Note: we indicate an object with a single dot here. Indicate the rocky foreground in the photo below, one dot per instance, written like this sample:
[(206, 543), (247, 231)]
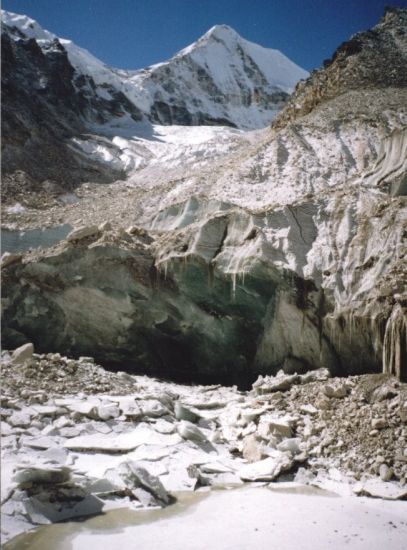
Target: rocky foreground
[(77, 439)]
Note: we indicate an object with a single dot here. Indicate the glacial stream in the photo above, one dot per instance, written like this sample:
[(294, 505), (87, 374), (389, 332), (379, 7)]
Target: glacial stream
[(239, 519)]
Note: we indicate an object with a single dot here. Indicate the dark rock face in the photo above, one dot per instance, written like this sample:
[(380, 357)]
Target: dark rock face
[(29, 123), (167, 114), (44, 105)]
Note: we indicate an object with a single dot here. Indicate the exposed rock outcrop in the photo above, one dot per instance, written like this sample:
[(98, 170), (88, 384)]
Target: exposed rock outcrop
[(376, 58)]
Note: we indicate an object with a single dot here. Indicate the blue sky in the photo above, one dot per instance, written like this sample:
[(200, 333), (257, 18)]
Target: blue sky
[(132, 34)]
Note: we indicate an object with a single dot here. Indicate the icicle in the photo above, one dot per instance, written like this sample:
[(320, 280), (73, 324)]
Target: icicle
[(234, 277), (331, 328), (375, 324), (395, 344), (302, 327), (351, 325)]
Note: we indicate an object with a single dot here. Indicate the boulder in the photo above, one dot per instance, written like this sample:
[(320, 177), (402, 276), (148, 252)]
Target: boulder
[(69, 431), (153, 408), (47, 410), (163, 426), (291, 445), (280, 382), (308, 409), (82, 233), (385, 472), (268, 469), (337, 392), (121, 443), (35, 474), (61, 504), (44, 442), (84, 408), (19, 420), (280, 428), (379, 423), (132, 411), (135, 475), (107, 412), (252, 449), (184, 413), (377, 488), (249, 414), (9, 258), (187, 430), (318, 375), (23, 354)]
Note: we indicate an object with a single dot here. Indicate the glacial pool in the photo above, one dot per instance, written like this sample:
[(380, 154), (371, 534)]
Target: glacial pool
[(238, 519), (21, 241)]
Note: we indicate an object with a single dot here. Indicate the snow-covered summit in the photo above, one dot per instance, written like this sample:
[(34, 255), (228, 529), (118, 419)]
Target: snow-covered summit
[(216, 33), (220, 79), (23, 26), (275, 66), (221, 32)]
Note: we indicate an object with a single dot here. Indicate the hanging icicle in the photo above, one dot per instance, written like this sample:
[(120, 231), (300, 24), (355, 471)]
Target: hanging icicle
[(395, 344)]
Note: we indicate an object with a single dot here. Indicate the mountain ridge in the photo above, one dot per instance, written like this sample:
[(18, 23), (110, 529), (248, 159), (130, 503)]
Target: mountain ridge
[(132, 83)]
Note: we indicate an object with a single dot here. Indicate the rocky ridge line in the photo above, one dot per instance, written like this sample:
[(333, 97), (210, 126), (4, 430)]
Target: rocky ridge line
[(375, 58)]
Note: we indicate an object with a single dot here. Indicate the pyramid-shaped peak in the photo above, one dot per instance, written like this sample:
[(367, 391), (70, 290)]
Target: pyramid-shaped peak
[(218, 33), (221, 29), (221, 32)]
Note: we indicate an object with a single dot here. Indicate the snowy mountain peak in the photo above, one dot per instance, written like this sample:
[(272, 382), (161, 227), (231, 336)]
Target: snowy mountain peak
[(223, 79), (218, 34), (221, 32), (24, 26), (221, 45), (215, 35)]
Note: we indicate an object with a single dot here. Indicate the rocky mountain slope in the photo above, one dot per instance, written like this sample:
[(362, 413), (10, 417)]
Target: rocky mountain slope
[(45, 103), (285, 249), (373, 59), (58, 100)]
